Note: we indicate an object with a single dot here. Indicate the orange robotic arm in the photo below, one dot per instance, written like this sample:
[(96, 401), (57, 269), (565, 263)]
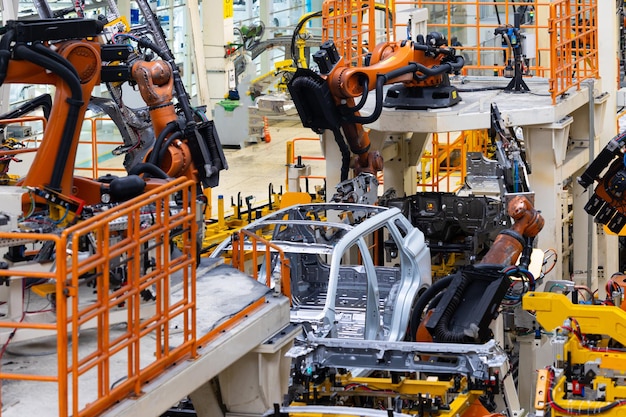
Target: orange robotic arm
[(469, 299), (326, 100), (170, 153), (73, 75)]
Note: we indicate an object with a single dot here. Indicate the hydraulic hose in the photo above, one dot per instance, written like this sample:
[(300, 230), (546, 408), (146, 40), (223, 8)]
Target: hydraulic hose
[(296, 33), (183, 98), (21, 51), (40, 48), (442, 332), (424, 300), (414, 67), (148, 168), (381, 79), (5, 53), (44, 101), (156, 149), (345, 154), (361, 103), (190, 130), (167, 143)]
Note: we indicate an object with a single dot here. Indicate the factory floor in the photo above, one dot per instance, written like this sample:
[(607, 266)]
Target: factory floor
[(254, 167), (251, 168)]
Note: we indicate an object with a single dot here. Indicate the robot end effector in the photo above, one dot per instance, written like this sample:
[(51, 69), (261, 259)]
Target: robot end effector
[(608, 204)]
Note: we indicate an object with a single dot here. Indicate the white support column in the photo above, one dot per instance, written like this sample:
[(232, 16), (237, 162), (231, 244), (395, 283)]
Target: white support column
[(260, 379), (585, 244), (265, 8), (331, 153), (218, 32), (401, 153), (547, 183), (608, 49), (206, 402), (199, 59)]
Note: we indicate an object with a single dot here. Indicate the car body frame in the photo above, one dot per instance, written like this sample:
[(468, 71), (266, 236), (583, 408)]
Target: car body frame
[(355, 270)]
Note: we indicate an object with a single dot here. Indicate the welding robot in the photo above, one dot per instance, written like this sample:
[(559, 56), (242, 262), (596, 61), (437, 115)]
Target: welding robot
[(76, 55), (418, 74), (417, 71), (606, 203)]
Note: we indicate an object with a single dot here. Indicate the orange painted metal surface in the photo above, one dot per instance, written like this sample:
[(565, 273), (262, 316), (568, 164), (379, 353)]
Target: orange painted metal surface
[(574, 39), (150, 228), (443, 167), (84, 56), (248, 260), (567, 56), (356, 26), (473, 23), (94, 168)]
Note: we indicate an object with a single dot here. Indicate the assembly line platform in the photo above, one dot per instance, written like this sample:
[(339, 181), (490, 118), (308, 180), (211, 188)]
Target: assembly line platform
[(518, 108), (241, 312)]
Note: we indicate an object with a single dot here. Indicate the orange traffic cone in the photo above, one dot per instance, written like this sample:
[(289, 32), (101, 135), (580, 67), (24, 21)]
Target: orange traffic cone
[(266, 130)]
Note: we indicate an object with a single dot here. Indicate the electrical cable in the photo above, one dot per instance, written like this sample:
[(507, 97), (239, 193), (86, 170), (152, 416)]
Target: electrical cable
[(473, 90), (74, 102), (148, 168), (156, 149), (174, 136), (5, 53), (577, 411), (381, 79), (296, 33), (548, 254), (345, 154), (424, 300), (361, 102), (42, 49)]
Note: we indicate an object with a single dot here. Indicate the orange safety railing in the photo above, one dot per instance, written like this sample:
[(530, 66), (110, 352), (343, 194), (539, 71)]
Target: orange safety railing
[(574, 39), (567, 56), (443, 167), (12, 147), (241, 256), (93, 168), (470, 27), (125, 254), (29, 140), (356, 26), (293, 157)]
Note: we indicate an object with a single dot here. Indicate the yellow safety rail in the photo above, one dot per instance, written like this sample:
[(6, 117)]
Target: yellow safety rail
[(124, 236), (574, 39), (242, 257)]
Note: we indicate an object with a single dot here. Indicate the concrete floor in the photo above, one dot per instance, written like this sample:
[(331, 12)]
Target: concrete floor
[(254, 167)]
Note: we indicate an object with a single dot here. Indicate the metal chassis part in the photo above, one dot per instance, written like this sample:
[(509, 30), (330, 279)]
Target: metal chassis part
[(471, 359)]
